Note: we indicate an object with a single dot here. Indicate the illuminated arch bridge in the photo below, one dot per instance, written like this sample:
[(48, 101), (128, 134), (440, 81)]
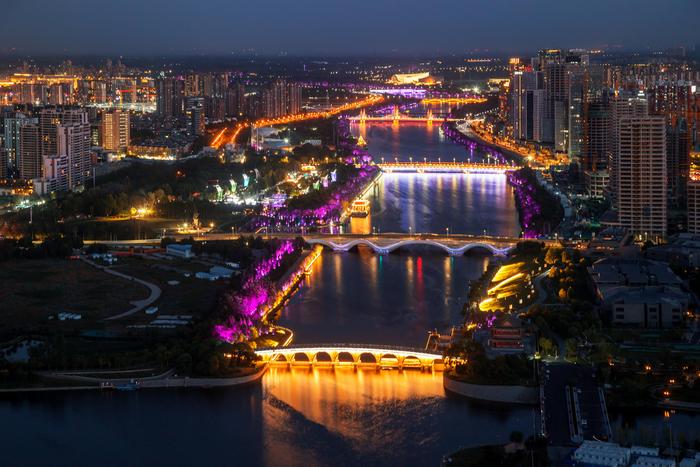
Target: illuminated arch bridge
[(387, 245), (352, 355)]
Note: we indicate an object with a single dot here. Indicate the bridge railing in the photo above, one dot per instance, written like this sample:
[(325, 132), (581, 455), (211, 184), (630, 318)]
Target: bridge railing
[(351, 346)]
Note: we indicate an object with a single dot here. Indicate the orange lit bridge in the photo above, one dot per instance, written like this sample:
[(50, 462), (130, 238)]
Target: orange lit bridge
[(445, 167), (353, 356)]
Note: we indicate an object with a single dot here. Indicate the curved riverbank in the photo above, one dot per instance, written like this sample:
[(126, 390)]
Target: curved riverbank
[(522, 395), (161, 381)]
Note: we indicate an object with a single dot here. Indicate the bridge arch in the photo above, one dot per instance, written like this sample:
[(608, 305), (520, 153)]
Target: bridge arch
[(323, 357), (300, 357), (367, 357), (345, 357), (411, 361)]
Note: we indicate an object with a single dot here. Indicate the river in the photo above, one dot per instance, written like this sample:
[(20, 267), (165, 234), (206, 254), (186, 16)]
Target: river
[(317, 417)]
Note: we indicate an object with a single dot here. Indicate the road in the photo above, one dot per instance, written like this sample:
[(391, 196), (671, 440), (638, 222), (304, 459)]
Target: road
[(573, 404), (138, 305)]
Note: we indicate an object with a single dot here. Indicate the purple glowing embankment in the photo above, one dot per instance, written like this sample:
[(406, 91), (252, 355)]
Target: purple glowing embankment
[(531, 198), (246, 307), (340, 197)]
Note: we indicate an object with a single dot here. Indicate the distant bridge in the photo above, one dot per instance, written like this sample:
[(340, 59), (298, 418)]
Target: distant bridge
[(395, 116), (352, 355), (445, 167)]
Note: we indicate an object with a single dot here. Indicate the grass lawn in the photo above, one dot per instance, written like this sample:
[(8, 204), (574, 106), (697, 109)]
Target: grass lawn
[(191, 296), (34, 289)]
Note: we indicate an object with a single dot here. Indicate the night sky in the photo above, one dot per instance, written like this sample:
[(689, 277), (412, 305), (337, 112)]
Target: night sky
[(337, 27)]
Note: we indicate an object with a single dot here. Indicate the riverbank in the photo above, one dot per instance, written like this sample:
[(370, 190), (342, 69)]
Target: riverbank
[(466, 130), (501, 394), (165, 380), (290, 283)]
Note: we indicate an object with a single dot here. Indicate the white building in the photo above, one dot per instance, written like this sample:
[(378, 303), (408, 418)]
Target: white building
[(179, 250)]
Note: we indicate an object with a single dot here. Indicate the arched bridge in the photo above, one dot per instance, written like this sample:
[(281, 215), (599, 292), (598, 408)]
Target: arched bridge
[(384, 246), (353, 355)]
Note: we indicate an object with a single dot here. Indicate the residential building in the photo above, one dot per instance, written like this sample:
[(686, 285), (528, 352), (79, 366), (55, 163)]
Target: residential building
[(30, 157), (169, 97), (642, 176), (115, 130), (11, 140), (678, 152), (693, 197), (60, 133), (621, 107)]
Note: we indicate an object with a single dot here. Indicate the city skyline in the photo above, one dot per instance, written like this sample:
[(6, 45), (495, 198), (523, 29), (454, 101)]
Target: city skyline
[(349, 233), (364, 28)]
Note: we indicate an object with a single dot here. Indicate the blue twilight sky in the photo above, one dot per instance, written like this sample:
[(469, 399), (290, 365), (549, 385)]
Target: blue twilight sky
[(340, 27)]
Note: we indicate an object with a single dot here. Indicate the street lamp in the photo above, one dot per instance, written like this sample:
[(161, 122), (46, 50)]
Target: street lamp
[(447, 230)]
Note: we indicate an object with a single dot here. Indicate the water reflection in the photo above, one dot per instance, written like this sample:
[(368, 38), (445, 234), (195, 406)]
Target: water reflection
[(362, 297), (375, 417), (469, 204)]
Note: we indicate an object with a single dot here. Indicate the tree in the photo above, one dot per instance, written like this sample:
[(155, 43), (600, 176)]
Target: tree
[(546, 346), (553, 255), (562, 294), (183, 364)]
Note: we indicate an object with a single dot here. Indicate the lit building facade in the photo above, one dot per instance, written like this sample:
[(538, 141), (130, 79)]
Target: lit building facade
[(642, 176)]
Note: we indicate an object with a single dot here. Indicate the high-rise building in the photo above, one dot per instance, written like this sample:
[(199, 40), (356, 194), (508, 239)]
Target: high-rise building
[(115, 130), (577, 99), (73, 142), (595, 149), (596, 136), (678, 151), (195, 111), (642, 176), (294, 93), (4, 165), (235, 100), (693, 196), (11, 140), (169, 97), (30, 161), (192, 86), (624, 106), (527, 105), (281, 98), (60, 133)]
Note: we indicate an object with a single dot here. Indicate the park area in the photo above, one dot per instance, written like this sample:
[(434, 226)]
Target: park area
[(33, 290)]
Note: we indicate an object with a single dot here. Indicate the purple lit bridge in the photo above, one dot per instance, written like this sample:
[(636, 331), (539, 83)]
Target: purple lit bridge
[(445, 167), (352, 356)]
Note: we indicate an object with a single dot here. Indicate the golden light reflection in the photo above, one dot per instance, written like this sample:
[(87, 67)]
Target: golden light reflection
[(318, 394)]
